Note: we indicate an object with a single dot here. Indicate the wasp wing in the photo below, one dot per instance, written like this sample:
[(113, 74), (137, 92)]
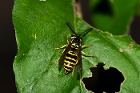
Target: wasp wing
[(79, 64), (61, 59)]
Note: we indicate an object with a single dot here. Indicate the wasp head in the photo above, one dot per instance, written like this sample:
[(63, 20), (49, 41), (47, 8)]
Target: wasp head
[(75, 41)]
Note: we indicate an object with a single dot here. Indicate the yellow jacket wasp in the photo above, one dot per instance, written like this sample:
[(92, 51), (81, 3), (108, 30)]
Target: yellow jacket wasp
[(72, 53)]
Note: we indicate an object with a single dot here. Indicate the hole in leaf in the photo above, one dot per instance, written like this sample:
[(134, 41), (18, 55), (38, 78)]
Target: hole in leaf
[(108, 80)]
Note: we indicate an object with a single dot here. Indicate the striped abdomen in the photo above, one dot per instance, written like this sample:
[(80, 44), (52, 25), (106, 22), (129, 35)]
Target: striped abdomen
[(70, 61)]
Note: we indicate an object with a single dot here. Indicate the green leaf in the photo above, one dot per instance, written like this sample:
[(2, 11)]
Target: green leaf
[(113, 16), (41, 27)]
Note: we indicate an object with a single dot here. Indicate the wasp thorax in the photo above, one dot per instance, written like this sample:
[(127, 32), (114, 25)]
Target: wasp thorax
[(75, 41)]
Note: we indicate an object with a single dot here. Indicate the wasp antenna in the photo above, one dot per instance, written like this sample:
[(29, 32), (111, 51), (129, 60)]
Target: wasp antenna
[(71, 27), (85, 32)]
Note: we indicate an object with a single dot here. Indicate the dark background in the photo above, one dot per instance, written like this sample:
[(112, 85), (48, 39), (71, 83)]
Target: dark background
[(8, 47)]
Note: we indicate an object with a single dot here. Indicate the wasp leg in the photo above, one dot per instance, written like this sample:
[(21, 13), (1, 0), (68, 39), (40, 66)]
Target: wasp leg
[(67, 40), (62, 47), (55, 61), (85, 46), (73, 72), (86, 55)]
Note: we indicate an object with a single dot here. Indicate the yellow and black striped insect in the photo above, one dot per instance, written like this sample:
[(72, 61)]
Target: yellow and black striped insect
[(72, 53)]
